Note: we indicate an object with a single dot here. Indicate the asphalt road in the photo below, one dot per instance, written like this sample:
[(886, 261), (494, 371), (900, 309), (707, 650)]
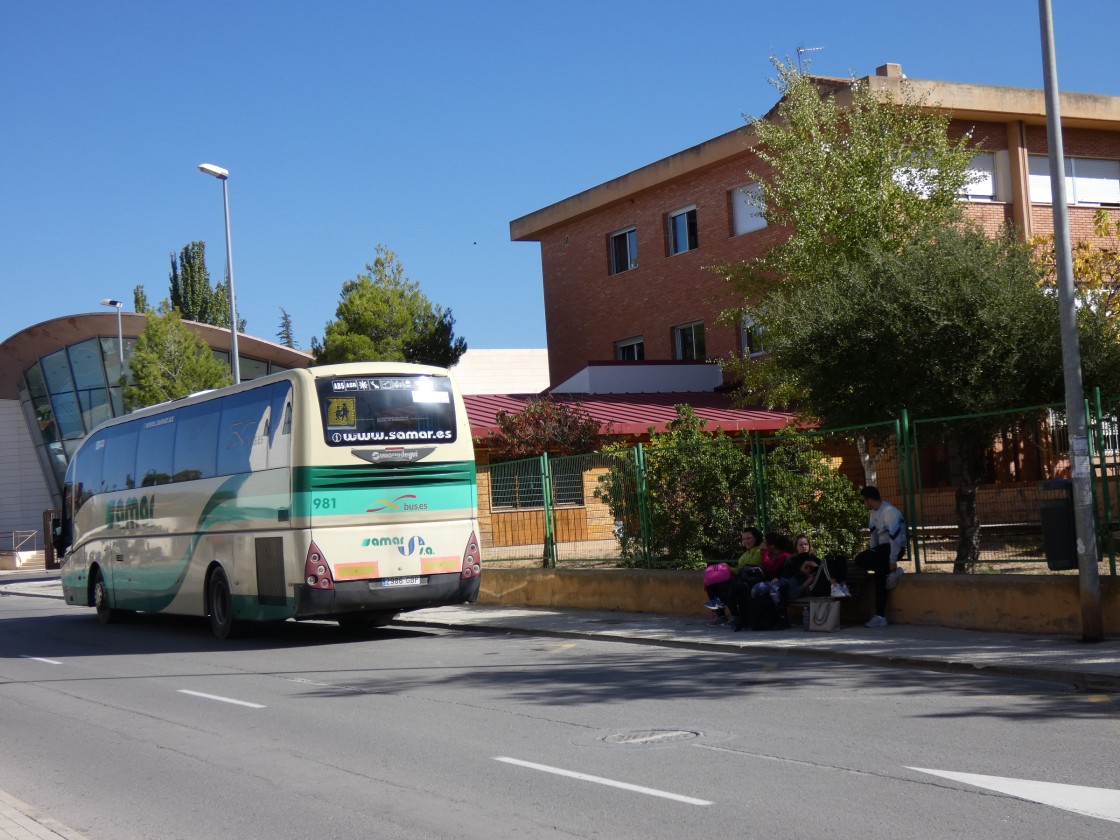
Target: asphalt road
[(153, 728)]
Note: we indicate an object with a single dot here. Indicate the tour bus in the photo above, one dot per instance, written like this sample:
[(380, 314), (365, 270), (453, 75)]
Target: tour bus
[(343, 492)]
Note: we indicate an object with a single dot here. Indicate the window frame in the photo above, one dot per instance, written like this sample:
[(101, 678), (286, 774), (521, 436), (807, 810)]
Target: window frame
[(752, 339), (637, 342), (628, 238), (1038, 173), (744, 208), (691, 230), (679, 331)]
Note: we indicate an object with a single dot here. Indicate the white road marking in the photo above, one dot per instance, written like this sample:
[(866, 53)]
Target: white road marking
[(1102, 803), (221, 699), (40, 659), (583, 777)]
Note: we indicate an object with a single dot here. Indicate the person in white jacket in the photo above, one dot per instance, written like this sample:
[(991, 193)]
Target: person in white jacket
[(888, 543)]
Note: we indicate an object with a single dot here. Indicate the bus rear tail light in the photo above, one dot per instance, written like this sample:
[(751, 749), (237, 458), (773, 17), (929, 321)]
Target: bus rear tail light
[(316, 572), (472, 560)]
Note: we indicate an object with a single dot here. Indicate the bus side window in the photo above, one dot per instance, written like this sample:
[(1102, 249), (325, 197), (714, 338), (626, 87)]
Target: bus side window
[(280, 433)]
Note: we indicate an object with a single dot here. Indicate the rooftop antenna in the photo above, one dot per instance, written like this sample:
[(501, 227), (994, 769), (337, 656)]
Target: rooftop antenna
[(801, 51)]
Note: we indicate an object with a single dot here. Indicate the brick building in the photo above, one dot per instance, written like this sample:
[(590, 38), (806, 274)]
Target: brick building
[(626, 264)]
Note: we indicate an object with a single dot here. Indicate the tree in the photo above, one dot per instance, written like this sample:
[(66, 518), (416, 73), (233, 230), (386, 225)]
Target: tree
[(139, 300), (384, 315), (169, 361), (285, 335), (701, 488), (844, 167), (543, 425), (953, 323), (190, 292), (807, 495), (1096, 266)]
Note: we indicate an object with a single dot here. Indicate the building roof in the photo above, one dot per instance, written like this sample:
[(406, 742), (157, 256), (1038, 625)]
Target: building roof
[(964, 101), (19, 351), (632, 414)]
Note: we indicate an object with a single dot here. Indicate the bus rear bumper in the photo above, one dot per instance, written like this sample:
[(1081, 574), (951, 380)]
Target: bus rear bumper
[(372, 596)]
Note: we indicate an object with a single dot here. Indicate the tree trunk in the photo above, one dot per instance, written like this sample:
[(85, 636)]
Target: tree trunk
[(869, 460), (968, 521)]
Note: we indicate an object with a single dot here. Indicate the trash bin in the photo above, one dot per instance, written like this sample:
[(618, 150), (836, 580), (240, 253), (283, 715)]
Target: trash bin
[(1059, 531)]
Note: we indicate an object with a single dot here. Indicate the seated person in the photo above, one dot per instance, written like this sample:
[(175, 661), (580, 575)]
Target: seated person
[(721, 596), (812, 577)]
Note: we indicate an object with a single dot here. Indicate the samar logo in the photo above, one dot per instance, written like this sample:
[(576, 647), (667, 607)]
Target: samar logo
[(398, 504), (415, 545), (407, 547)]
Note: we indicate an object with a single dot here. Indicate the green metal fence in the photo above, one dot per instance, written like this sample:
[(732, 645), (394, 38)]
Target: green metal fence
[(630, 506)]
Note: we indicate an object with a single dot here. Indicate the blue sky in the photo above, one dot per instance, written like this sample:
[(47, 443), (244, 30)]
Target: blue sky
[(426, 126)]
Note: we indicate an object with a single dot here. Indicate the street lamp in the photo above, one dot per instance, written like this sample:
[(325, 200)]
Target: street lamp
[(120, 337), (223, 176)]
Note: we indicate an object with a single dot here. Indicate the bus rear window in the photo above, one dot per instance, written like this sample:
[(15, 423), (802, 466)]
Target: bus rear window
[(387, 410)]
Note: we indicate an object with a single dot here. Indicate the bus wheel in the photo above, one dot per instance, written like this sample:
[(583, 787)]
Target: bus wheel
[(220, 606), (101, 599)]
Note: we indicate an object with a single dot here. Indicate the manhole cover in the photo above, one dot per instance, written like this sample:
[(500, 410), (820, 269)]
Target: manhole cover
[(648, 737)]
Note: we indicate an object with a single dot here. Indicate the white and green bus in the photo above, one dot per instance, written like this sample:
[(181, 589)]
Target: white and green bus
[(342, 492)]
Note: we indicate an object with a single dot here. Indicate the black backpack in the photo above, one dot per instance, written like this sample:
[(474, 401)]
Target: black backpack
[(762, 612)]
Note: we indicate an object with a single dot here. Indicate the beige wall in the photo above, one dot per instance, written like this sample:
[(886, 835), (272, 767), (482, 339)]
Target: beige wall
[(1013, 603)]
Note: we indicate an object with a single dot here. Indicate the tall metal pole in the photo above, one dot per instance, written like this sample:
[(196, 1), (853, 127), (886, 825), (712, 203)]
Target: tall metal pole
[(223, 176), (120, 338), (1092, 625), (235, 363)]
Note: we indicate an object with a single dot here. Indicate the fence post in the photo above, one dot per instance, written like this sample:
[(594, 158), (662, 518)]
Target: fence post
[(761, 489), (645, 527), (1101, 463), (909, 488), (549, 523)]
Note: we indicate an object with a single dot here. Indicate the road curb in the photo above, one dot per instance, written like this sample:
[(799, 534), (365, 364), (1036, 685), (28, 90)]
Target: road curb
[(1081, 680)]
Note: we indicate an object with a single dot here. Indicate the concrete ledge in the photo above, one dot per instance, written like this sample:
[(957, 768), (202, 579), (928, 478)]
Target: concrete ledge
[(1011, 603)]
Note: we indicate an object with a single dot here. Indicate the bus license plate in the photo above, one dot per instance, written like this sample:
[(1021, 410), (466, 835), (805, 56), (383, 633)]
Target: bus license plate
[(402, 581)]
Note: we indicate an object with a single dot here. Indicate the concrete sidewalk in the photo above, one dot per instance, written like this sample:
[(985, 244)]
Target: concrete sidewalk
[(1060, 659)]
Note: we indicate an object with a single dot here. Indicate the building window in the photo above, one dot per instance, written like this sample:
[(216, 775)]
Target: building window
[(624, 250), (688, 341), (750, 337), (746, 210), (630, 350), (982, 167), (1091, 182), (682, 231)]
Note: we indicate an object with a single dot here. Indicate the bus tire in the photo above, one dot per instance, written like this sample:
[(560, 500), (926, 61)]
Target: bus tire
[(219, 605), (99, 594)]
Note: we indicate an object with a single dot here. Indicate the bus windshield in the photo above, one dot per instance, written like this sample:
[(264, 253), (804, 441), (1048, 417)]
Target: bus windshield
[(386, 409)]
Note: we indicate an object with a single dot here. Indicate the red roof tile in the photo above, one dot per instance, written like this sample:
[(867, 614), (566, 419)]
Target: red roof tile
[(632, 414)]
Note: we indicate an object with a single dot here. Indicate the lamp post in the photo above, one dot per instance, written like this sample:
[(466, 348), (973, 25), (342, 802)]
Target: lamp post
[(223, 176), (120, 335)]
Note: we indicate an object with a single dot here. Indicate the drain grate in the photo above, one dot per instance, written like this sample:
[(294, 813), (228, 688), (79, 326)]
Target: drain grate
[(651, 737)]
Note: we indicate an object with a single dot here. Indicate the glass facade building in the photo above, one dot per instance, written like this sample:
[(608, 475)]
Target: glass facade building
[(66, 393)]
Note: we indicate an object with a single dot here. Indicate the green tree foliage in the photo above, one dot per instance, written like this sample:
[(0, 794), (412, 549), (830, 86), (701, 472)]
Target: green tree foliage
[(543, 425), (169, 361), (285, 335), (384, 316), (190, 292), (807, 495), (950, 324), (843, 167), (140, 300), (702, 488)]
